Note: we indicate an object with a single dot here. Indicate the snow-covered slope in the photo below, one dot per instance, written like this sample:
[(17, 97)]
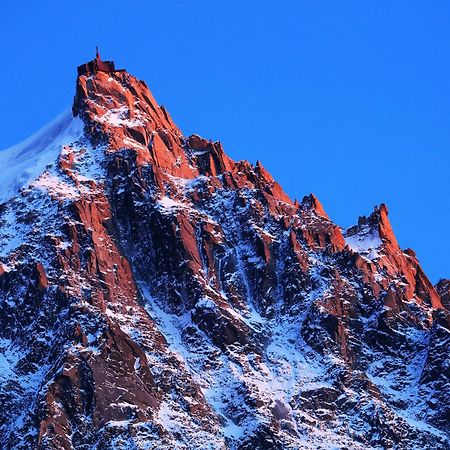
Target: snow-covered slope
[(22, 163), (155, 294)]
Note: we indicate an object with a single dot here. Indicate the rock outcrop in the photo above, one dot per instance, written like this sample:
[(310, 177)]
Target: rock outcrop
[(443, 289)]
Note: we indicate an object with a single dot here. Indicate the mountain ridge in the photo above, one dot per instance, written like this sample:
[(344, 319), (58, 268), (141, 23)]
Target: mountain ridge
[(154, 293)]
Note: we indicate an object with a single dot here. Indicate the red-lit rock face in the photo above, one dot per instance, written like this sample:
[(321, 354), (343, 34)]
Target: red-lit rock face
[(155, 293), (399, 265)]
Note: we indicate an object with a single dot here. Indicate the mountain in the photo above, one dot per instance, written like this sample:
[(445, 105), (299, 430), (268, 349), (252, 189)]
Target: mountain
[(156, 294)]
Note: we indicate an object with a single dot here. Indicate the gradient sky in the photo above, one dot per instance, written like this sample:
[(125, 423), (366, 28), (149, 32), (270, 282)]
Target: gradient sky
[(349, 100)]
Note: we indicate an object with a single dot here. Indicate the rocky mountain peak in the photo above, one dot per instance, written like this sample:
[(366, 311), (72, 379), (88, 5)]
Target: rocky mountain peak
[(312, 202), (374, 238), (374, 232), (380, 218), (123, 98), (154, 293)]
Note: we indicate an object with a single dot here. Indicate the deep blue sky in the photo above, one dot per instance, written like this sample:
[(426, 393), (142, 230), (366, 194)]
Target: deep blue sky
[(349, 100)]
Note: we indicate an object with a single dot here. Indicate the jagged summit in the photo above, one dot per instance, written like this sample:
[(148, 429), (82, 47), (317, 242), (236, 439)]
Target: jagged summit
[(312, 202), (156, 294), (97, 65)]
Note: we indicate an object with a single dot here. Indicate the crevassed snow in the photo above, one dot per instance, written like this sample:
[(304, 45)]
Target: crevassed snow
[(24, 162)]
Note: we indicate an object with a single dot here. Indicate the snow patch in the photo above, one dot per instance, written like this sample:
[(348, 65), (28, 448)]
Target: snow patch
[(366, 242), (55, 186), (169, 204), (120, 117)]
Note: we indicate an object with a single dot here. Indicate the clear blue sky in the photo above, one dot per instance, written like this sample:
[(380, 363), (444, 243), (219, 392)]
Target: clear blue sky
[(349, 100)]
